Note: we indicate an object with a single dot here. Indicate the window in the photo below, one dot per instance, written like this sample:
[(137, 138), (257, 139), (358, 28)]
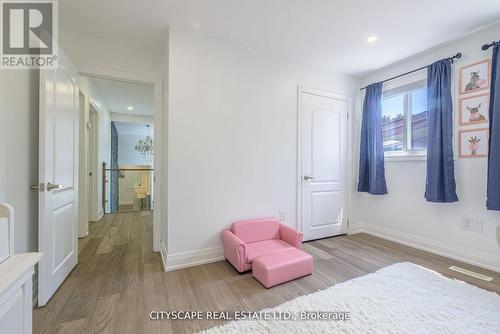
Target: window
[(404, 120)]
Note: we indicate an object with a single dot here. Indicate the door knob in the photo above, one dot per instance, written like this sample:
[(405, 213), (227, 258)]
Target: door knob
[(307, 177), (51, 186), (39, 186)]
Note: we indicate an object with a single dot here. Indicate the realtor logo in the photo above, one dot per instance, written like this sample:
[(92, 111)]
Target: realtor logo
[(29, 32)]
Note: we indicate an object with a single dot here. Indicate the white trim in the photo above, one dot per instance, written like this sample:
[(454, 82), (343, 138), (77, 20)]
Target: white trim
[(405, 158), (35, 289), (100, 214), (471, 273), (107, 73), (298, 210), (82, 236), (157, 83), (410, 155), (303, 89), (163, 253), (92, 165), (474, 257), (194, 258)]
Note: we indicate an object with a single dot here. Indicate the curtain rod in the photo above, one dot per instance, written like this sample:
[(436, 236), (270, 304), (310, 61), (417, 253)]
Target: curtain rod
[(457, 56), (487, 46)]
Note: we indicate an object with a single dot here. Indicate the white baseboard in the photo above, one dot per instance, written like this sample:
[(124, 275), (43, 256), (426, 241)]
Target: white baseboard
[(100, 214), (163, 253), (474, 257), (34, 289), (194, 258), (84, 235)]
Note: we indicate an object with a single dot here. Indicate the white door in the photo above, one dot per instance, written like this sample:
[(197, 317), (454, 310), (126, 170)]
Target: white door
[(58, 177), (323, 156)]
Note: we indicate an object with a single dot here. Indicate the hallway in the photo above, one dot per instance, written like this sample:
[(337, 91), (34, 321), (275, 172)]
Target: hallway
[(110, 286)]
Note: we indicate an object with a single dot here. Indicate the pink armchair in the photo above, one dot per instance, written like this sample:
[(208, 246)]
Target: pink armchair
[(249, 239)]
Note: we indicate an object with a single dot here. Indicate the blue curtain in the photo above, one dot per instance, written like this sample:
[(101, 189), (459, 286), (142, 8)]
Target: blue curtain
[(493, 201), (440, 184), (371, 152), (114, 174)]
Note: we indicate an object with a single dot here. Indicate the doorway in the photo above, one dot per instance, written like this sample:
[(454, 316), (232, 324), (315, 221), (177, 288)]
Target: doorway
[(322, 164), (130, 173), (123, 145)]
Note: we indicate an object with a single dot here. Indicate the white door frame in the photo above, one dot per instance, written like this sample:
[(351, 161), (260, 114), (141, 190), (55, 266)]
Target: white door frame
[(156, 81), (93, 152), (307, 90), (83, 183)]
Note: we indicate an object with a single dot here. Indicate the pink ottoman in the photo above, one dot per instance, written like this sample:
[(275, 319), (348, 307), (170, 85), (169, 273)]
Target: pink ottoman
[(281, 267)]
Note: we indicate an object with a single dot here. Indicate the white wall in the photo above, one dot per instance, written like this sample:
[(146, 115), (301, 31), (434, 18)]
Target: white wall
[(404, 214), (19, 153), (129, 118), (127, 155), (232, 136), (85, 50)]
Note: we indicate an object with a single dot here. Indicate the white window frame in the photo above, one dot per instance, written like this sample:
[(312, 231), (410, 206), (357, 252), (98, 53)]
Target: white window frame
[(406, 88)]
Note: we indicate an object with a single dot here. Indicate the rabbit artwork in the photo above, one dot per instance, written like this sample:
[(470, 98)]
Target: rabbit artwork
[(475, 115), (475, 77), (473, 83)]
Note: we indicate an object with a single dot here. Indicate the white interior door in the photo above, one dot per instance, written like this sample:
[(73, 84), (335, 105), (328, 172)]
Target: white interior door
[(58, 177), (323, 157)]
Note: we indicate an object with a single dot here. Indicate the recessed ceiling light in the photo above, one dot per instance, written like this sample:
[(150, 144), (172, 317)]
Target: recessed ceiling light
[(130, 108), (371, 39)]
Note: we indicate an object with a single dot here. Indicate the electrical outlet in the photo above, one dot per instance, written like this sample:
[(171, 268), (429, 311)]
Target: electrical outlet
[(473, 225), (478, 225), (282, 215)]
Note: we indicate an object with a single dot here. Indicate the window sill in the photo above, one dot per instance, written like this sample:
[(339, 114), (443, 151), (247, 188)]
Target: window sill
[(405, 157)]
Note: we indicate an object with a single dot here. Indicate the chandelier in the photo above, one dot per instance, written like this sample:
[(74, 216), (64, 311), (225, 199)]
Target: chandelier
[(145, 146)]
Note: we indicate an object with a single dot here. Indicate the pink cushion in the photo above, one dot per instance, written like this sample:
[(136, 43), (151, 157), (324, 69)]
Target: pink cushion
[(255, 249), (280, 267), (257, 229)]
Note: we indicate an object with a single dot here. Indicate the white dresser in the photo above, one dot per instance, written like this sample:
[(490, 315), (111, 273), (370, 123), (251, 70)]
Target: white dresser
[(16, 274)]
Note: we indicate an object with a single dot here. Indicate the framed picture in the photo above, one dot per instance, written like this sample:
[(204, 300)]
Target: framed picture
[(473, 143), (474, 109), (475, 77)]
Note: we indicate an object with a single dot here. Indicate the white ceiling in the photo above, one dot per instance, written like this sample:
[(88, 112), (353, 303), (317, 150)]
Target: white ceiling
[(117, 96), (135, 129), (326, 33)]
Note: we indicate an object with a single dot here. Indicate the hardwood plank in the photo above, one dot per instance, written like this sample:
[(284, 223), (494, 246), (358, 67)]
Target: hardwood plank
[(104, 317), (73, 327), (316, 252), (119, 280)]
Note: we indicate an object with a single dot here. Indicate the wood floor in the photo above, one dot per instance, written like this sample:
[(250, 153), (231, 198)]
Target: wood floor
[(119, 280)]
